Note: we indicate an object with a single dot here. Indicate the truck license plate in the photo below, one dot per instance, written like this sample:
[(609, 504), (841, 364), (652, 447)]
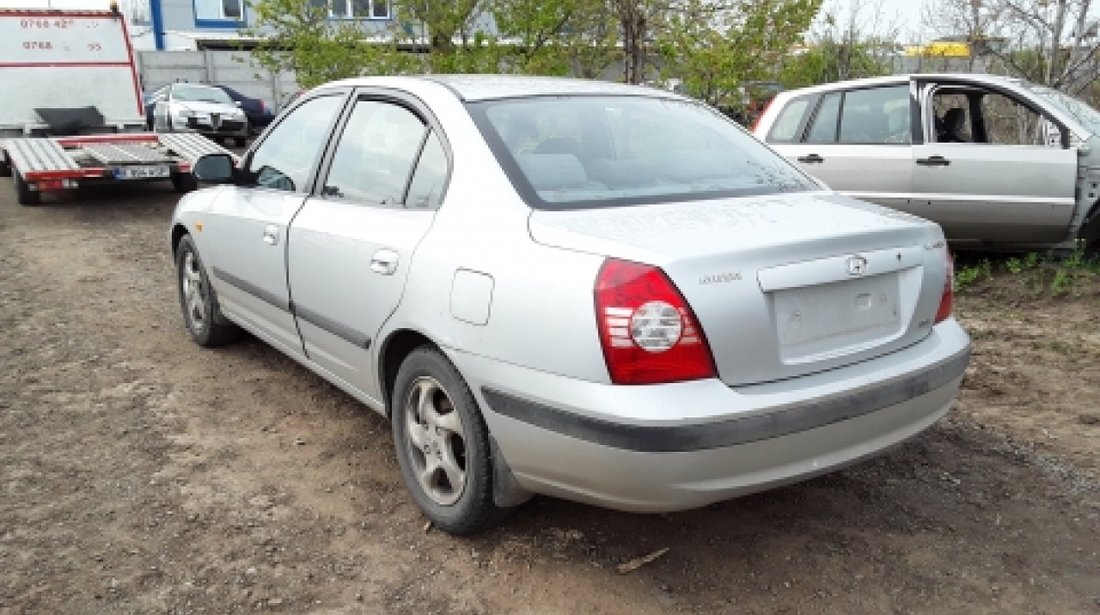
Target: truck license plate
[(144, 171)]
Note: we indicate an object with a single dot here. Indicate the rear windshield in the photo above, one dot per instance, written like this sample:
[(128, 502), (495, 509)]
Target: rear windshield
[(572, 152)]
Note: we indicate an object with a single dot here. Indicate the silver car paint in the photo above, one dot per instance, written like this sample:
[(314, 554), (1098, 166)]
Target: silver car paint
[(540, 339), (1007, 196)]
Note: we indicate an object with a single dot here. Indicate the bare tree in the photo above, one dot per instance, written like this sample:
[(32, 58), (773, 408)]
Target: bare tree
[(1053, 42)]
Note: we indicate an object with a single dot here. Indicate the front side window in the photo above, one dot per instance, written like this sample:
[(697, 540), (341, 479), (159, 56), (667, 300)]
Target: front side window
[(876, 116), (285, 158), (597, 151), (374, 158), (951, 117), (1007, 122)]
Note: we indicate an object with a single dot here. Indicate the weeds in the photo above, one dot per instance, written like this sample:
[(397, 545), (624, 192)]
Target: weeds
[(1044, 275)]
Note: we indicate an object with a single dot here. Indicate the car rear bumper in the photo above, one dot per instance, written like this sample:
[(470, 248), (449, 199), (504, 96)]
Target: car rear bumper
[(671, 447)]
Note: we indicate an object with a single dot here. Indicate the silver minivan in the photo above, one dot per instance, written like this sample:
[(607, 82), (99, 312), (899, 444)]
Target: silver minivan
[(999, 163)]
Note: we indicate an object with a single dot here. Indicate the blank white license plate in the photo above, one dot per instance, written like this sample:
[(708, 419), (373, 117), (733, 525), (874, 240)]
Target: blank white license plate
[(143, 171), (831, 317)]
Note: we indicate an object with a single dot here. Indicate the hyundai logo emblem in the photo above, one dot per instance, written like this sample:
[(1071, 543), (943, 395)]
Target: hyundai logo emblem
[(857, 265)]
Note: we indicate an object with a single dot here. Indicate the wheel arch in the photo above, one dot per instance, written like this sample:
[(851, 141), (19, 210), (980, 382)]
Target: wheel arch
[(178, 231), (394, 349), (1090, 227)]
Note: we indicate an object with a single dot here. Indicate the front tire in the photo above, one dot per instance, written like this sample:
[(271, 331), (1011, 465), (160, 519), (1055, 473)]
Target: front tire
[(184, 182), (442, 444), (201, 314)]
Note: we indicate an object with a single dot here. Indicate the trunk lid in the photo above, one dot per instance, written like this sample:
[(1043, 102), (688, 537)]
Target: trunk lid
[(782, 285)]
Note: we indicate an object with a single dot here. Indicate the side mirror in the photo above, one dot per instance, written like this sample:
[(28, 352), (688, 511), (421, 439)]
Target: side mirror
[(214, 169), (237, 102)]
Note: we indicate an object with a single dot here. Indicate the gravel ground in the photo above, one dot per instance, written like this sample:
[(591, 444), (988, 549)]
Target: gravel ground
[(142, 474)]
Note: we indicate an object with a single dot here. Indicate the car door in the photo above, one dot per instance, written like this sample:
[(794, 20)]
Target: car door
[(858, 142), (994, 168), (352, 244), (245, 234)]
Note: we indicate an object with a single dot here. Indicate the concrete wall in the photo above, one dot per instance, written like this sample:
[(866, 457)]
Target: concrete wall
[(232, 68)]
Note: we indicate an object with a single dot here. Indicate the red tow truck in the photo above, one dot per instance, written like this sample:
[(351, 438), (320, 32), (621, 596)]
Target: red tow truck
[(72, 112)]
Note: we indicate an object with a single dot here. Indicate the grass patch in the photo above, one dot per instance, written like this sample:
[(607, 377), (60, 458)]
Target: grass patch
[(1034, 275)]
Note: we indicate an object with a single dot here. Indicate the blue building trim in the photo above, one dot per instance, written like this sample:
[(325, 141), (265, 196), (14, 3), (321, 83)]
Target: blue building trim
[(223, 24), (156, 15)]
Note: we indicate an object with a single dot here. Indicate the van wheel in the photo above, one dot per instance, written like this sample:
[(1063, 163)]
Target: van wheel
[(23, 192), (442, 444)]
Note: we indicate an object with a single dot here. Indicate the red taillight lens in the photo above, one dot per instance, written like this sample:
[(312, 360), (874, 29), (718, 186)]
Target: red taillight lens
[(756, 120), (648, 333), (947, 301)]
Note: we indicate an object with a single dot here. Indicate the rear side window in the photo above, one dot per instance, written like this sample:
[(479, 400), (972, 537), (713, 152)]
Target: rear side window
[(785, 129), (375, 155), (876, 116), (823, 129)]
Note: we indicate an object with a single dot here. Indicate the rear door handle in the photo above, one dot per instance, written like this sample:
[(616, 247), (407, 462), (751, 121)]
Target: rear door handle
[(811, 159), (934, 161), (384, 262), (271, 234)]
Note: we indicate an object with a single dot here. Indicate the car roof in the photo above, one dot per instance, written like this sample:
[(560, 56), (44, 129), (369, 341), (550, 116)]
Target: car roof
[(489, 87), (980, 78)]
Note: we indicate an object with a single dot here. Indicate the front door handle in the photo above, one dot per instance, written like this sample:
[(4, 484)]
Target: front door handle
[(811, 159), (934, 161), (384, 262), (271, 234)]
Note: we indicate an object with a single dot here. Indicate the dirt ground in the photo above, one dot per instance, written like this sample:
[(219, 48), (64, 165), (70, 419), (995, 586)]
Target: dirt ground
[(141, 474)]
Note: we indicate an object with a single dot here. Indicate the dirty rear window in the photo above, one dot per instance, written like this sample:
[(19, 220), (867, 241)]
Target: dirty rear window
[(570, 152)]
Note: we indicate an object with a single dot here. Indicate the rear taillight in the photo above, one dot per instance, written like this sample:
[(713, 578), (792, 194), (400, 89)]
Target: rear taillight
[(648, 333), (763, 112), (947, 300)]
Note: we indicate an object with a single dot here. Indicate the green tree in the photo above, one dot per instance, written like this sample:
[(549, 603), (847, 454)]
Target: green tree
[(296, 35), (715, 47)]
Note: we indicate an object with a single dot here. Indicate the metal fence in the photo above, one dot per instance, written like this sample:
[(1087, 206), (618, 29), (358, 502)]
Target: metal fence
[(235, 69)]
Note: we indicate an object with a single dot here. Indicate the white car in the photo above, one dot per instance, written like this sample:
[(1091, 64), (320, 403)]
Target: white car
[(999, 163), (192, 107), (594, 291)]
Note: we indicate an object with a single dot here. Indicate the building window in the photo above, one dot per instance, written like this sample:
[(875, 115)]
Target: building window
[(219, 13), (360, 9)]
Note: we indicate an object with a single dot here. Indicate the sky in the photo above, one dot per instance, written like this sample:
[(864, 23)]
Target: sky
[(903, 16)]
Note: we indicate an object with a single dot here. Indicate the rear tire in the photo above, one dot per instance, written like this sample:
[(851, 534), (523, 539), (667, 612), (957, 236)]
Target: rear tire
[(442, 444), (23, 192), (204, 320)]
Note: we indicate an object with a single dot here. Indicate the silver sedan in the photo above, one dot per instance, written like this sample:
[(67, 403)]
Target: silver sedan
[(593, 291)]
